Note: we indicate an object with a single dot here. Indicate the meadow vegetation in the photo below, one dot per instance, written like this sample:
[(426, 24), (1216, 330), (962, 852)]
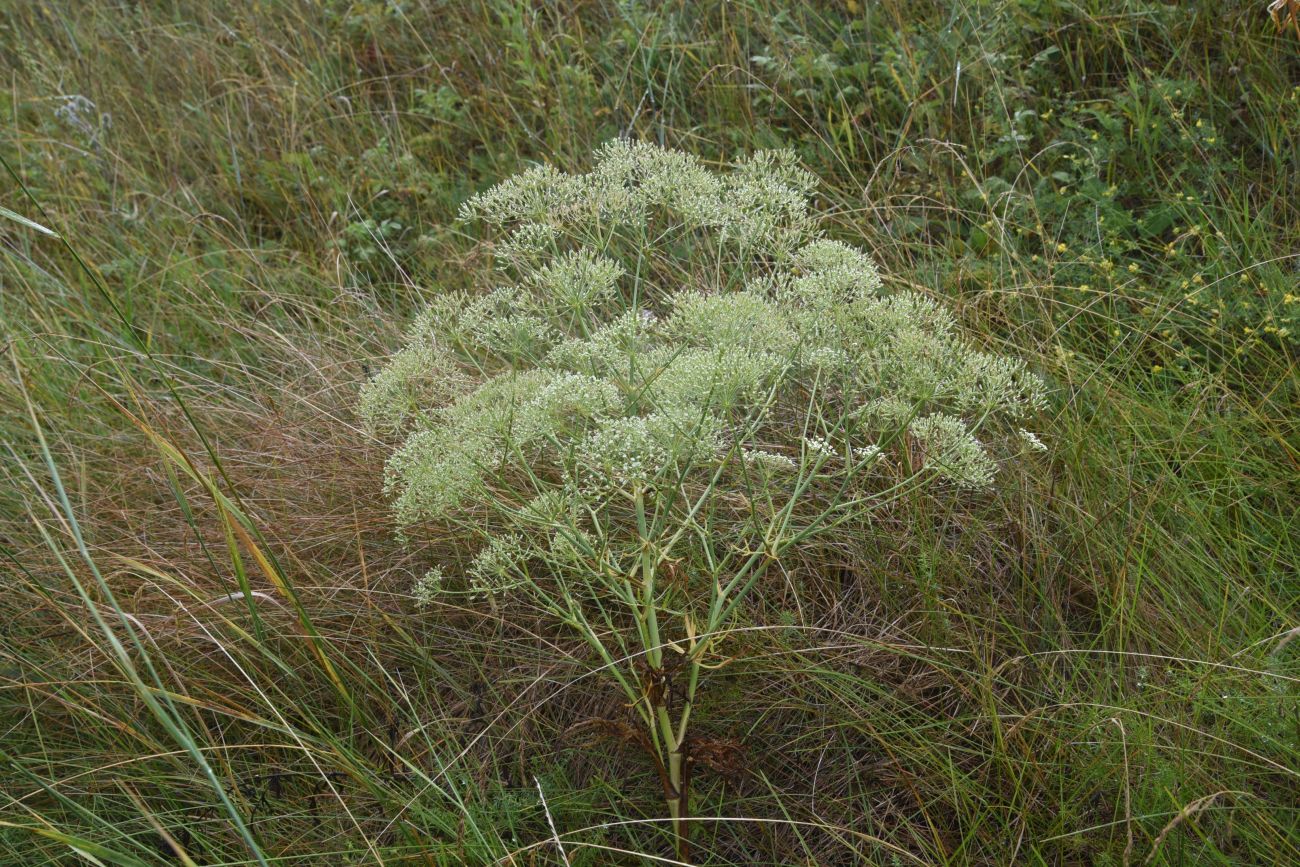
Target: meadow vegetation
[(309, 553)]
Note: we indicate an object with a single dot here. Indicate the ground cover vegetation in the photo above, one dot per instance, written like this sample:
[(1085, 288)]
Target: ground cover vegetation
[(738, 433)]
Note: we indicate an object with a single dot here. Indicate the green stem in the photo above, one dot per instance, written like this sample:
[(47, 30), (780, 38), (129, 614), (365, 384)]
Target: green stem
[(669, 739), (648, 614), (678, 806)]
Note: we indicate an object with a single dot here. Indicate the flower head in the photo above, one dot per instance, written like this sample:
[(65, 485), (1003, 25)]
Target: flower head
[(674, 332)]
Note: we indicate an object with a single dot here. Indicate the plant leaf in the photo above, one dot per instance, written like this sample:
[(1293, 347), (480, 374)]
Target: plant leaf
[(31, 224)]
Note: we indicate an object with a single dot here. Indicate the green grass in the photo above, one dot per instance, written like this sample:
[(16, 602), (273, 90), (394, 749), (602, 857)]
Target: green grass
[(208, 643)]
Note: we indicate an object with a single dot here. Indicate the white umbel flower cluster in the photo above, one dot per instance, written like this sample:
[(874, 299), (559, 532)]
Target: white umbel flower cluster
[(671, 329), (761, 205)]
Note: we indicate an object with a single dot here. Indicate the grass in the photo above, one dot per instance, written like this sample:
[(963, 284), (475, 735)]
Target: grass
[(209, 651)]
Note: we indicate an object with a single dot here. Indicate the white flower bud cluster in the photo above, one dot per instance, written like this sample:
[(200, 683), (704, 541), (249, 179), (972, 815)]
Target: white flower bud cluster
[(762, 205), (670, 327), (539, 195), (529, 245), (421, 376), (818, 447), (769, 462), (430, 586), (951, 450), (622, 453), (576, 282), (1031, 441), (498, 566)]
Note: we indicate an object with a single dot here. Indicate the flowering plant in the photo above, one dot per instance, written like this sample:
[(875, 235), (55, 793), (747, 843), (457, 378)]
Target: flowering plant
[(679, 382)]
